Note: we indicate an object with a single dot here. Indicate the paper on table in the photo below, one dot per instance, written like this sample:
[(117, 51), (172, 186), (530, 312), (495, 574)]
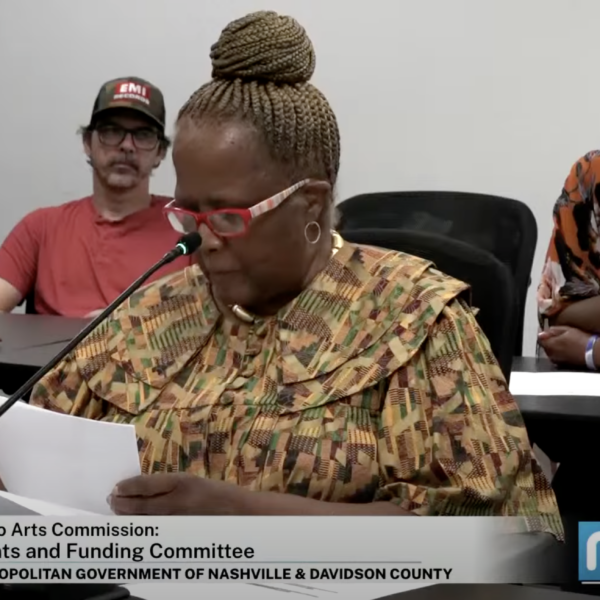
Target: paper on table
[(555, 383), (46, 509), (65, 460)]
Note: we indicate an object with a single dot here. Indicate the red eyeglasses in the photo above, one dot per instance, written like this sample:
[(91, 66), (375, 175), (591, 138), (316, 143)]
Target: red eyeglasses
[(225, 222)]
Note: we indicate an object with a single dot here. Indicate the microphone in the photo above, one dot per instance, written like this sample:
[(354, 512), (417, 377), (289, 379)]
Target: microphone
[(188, 244)]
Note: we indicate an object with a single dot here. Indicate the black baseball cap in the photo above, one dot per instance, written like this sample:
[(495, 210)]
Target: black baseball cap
[(132, 93)]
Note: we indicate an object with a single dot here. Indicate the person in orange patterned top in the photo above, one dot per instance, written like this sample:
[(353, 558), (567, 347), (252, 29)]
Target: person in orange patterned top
[(292, 372), (568, 295)]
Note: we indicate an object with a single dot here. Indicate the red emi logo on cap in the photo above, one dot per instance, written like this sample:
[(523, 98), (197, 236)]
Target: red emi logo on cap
[(128, 90)]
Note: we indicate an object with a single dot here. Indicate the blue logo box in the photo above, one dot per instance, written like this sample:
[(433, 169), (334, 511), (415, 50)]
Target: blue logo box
[(589, 551)]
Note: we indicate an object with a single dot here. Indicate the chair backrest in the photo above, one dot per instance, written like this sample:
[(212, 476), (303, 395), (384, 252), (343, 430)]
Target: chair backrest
[(504, 227), (30, 304), (492, 286)]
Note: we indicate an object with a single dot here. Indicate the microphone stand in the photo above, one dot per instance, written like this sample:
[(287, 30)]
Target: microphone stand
[(87, 591)]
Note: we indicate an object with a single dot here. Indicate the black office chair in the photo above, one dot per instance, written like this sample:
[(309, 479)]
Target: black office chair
[(493, 289), (30, 304), (506, 228)]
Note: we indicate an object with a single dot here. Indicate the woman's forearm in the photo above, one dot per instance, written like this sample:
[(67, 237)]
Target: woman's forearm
[(584, 315)]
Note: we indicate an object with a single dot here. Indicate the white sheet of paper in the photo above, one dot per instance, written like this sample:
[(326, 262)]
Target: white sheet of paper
[(65, 460), (46, 509), (555, 383)]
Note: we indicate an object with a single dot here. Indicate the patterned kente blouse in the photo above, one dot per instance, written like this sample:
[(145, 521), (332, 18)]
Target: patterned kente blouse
[(375, 384)]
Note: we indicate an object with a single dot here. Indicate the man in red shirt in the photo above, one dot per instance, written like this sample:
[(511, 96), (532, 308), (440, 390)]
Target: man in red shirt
[(77, 257)]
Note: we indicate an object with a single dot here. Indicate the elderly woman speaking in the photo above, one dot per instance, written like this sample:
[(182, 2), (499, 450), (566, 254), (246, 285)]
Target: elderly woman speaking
[(291, 372)]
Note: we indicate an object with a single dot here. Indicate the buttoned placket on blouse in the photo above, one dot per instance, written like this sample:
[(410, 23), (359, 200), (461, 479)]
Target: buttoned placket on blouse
[(253, 337)]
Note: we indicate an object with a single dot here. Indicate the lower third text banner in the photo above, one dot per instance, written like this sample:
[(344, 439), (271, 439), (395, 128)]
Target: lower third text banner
[(425, 551)]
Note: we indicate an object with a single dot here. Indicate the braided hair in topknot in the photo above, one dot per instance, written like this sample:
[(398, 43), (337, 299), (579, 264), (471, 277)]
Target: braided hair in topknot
[(261, 67)]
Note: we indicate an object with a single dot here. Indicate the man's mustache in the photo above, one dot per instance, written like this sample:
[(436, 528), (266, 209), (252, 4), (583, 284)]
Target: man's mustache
[(124, 161)]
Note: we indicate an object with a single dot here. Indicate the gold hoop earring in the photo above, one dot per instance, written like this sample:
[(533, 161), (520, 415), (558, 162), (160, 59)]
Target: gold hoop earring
[(318, 237)]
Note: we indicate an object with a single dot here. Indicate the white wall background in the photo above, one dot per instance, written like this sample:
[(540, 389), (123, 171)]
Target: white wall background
[(491, 96)]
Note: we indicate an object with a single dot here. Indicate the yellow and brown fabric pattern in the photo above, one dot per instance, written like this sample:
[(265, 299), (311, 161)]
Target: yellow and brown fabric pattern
[(376, 383)]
